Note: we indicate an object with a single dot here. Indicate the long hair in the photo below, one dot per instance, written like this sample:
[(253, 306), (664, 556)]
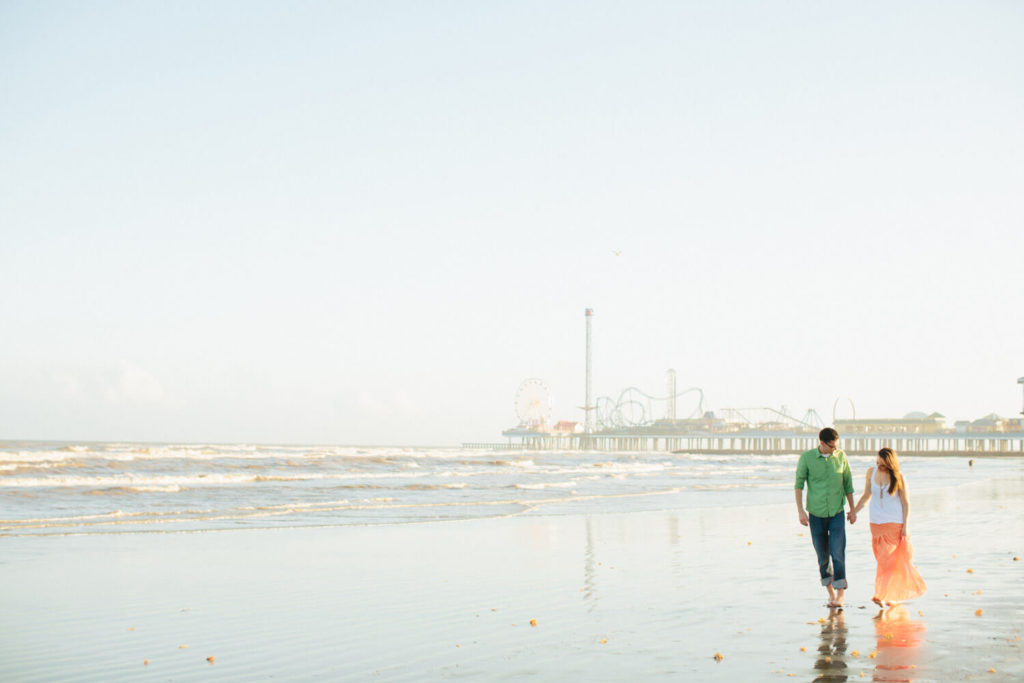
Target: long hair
[(892, 463)]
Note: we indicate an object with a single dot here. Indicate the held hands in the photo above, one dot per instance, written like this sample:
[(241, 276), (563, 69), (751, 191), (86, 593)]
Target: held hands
[(851, 516)]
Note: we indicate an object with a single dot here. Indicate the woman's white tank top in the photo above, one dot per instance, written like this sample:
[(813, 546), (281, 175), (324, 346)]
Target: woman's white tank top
[(885, 507)]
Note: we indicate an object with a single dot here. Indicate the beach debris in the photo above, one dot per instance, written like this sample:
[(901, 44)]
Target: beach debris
[(533, 622), (821, 620), (970, 571), (182, 647), (803, 649), (920, 613), (457, 645), (145, 662), (1016, 559), (855, 653), (604, 641), (210, 659), (828, 659), (494, 609), (872, 654), (978, 612), (991, 670), (718, 657), (749, 543), (131, 628)]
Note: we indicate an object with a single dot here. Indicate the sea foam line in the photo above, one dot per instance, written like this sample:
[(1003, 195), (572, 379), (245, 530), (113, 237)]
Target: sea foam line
[(334, 506)]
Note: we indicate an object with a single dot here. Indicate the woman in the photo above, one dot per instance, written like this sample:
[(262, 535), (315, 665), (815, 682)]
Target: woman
[(896, 579)]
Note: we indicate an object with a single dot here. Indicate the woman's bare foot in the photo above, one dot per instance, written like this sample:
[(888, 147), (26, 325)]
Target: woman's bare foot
[(878, 602)]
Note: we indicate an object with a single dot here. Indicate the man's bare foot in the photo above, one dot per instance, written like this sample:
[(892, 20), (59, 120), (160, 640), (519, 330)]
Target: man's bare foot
[(831, 596), (840, 597)]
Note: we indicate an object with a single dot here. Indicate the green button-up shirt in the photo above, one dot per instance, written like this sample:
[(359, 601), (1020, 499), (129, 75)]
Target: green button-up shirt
[(828, 481)]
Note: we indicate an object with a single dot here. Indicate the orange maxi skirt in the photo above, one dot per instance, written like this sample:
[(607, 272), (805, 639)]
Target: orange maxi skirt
[(896, 579)]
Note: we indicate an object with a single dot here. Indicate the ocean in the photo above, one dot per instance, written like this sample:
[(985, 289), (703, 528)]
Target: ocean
[(78, 488)]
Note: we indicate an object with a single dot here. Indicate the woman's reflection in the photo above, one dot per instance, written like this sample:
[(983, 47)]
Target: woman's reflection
[(899, 644)]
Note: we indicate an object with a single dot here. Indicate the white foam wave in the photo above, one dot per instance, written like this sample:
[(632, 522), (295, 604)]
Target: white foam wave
[(548, 485), (130, 481)]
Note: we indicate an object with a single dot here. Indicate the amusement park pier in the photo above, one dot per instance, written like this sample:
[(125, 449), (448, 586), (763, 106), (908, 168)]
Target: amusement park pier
[(628, 423)]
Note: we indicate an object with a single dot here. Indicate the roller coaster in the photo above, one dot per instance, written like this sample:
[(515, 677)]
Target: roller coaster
[(634, 407)]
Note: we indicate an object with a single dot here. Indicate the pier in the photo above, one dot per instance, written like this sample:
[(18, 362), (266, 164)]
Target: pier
[(765, 442)]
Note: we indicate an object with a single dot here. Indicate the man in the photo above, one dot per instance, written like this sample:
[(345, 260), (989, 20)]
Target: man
[(827, 474)]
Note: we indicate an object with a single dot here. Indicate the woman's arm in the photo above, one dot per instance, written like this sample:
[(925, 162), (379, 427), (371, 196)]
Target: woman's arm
[(864, 497), (905, 502)]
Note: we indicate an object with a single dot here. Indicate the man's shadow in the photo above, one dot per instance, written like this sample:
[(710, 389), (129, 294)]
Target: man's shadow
[(831, 661)]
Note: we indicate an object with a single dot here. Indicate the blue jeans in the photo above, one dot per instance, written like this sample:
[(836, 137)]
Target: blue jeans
[(828, 534)]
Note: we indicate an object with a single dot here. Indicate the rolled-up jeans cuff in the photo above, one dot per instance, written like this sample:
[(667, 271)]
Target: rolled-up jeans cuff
[(840, 584), (827, 581)]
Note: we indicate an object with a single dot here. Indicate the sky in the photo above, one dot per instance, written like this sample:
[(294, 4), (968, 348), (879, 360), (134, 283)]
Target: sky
[(368, 222)]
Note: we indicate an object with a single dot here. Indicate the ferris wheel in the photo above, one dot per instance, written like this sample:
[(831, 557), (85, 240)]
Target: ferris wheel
[(533, 403)]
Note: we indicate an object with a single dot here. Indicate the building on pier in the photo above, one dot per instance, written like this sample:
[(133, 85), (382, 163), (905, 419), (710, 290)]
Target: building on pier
[(911, 423)]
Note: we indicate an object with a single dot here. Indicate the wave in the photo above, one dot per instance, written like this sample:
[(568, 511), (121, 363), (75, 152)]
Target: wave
[(549, 485), (433, 487), (205, 452), (118, 518)]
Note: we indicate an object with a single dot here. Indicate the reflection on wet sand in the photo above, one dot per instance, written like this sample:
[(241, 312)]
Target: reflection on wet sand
[(899, 644), (589, 570), (831, 661)]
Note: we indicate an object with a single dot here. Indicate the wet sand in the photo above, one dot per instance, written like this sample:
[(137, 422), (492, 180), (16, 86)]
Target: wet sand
[(642, 596)]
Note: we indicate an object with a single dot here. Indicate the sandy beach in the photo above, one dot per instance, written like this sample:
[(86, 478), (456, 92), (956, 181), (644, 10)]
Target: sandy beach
[(651, 595)]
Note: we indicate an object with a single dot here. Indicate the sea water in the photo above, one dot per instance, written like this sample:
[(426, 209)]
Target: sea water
[(71, 488)]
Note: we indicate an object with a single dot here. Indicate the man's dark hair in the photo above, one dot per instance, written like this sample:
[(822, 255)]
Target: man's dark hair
[(827, 434)]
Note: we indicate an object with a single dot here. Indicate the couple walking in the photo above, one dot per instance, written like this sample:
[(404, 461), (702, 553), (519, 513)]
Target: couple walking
[(826, 473)]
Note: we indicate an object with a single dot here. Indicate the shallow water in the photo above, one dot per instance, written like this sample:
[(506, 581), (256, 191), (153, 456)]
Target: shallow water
[(63, 488), (646, 596)]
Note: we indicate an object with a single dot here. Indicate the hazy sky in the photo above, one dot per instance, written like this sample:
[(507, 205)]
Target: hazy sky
[(367, 222)]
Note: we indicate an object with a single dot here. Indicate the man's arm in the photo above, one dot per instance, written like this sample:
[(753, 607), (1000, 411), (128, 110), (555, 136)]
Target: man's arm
[(801, 479), (801, 513)]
